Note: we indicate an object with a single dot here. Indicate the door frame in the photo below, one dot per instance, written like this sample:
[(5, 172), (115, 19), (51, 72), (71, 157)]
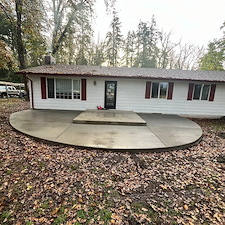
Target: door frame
[(115, 92)]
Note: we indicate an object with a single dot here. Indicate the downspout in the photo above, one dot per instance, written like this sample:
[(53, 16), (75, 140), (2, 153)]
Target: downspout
[(32, 92)]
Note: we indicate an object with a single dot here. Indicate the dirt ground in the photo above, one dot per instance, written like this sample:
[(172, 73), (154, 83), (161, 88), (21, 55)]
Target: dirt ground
[(42, 183)]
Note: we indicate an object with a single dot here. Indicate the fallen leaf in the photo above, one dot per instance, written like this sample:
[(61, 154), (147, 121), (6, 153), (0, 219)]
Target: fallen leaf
[(217, 216), (115, 217), (55, 211), (80, 200), (144, 209)]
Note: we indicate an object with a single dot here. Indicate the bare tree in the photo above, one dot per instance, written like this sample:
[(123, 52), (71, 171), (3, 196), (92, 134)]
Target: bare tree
[(165, 46), (185, 57)]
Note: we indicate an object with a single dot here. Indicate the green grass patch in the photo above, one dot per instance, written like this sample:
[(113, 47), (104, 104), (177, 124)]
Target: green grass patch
[(29, 223), (105, 215), (143, 208), (73, 166), (60, 219), (61, 216), (9, 172), (42, 166), (81, 214), (45, 205), (5, 217)]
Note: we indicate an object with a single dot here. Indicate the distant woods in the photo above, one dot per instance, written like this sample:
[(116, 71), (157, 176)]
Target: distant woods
[(30, 29)]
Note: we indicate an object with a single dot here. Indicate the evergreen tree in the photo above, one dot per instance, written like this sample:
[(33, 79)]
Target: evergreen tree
[(97, 54), (84, 39), (213, 59), (114, 41), (129, 49), (147, 37)]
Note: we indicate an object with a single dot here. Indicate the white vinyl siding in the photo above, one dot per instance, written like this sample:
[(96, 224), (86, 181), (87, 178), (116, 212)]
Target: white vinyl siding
[(131, 96)]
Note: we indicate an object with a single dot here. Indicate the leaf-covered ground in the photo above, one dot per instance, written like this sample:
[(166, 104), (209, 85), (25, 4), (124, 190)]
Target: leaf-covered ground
[(42, 183)]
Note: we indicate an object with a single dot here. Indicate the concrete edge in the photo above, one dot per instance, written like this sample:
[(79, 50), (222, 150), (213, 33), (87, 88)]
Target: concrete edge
[(108, 123)]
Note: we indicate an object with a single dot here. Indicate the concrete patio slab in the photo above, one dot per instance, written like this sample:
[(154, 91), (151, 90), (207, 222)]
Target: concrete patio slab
[(176, 135), (167, 120), (108, 117), (110, 137), (162, 132)]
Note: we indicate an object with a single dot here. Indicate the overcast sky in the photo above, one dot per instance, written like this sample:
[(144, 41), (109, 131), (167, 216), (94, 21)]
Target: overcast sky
[(195, 21)]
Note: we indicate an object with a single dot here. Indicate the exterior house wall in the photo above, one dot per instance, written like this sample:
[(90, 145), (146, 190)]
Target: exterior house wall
[(64, 104), (131, 96)]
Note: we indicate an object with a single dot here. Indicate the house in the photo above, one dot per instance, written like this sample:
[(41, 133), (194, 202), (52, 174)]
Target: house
[(145, 90)]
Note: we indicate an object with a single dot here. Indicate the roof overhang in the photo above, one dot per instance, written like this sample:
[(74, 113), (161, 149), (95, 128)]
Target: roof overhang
[(125, 72)]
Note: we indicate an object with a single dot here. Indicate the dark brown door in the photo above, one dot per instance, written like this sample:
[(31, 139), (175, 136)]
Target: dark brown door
[(110, 94)]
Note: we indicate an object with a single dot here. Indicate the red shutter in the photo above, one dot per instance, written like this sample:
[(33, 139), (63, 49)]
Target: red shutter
[(32, 94), (212, 92), (148, 89), (43, 88), (190, 91), (83, 89), (170, 91)]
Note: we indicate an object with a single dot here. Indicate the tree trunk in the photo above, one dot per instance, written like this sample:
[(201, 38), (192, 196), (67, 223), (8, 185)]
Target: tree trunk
[(19, 42)]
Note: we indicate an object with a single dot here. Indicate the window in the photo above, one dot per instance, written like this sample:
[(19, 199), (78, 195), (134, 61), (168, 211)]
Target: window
[(159, 90), (63, 88), (155, 90), (51, 88), (201, 91), (163, 89), (76, 89), (205, 92)]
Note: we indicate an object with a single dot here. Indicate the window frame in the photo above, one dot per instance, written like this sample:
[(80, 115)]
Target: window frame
[(61, 89), (72, 88), (48, 91), (201, 92), (159, 90)]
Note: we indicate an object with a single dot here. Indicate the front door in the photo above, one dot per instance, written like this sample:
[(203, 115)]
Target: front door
[(110, 94)]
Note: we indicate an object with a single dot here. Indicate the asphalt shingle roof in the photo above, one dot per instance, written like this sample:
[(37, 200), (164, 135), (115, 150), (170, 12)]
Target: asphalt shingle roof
[(125, 72)]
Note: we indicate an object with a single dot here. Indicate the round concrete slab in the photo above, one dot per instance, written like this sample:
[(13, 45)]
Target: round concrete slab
[(161, 133)]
